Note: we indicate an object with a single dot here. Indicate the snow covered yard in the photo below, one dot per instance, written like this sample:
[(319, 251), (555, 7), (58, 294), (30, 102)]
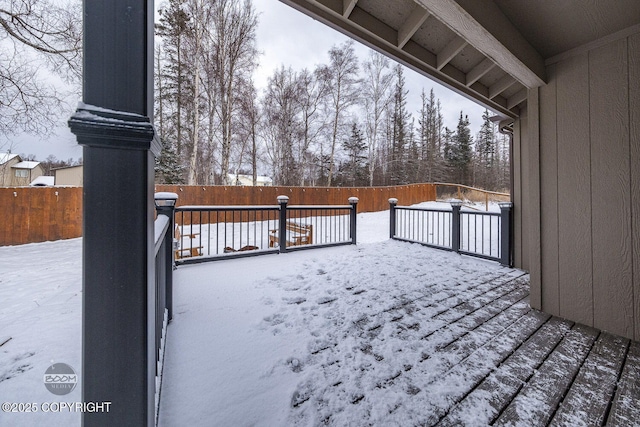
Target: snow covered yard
[(41, 313)]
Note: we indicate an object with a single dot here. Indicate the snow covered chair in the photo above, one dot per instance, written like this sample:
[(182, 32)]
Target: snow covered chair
[(186, 250)]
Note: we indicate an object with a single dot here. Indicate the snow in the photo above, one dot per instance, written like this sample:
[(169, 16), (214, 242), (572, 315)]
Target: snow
[(25, 165), (41, 311), (43, 181), (291, 339), (5, 157)]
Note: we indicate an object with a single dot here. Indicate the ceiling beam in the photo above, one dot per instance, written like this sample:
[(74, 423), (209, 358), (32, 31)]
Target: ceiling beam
[(450, 51), (500, 86), (411, 25), (479, 70), (483, 25), (517, 98), (347, 7)]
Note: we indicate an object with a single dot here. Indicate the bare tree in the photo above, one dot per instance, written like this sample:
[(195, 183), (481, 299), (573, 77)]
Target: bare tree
[(312, 91), (376, 86), (282, 127), (33, 32), (342, 78), (249, 117), (200, 19), (233, 36)]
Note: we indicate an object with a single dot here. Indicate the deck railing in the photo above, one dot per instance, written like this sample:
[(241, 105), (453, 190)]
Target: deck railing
[(480, 234), (161, 302), (208, 233)]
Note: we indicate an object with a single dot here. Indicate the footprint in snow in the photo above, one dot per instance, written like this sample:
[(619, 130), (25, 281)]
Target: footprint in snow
[(295, 300), (302, 394), (275, 319), (327, 300)]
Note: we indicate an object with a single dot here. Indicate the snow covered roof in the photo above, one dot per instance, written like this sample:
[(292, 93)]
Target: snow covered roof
[(25, 165), (5, 157), (43, 181)]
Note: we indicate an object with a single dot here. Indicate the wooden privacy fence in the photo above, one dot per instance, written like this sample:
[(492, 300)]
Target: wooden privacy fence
[(372, 199), (38, 214)]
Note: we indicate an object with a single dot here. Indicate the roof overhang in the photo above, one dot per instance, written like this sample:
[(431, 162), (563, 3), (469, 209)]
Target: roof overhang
[(468, 46)]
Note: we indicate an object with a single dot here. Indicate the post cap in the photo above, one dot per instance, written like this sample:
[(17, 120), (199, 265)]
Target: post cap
[(455, 202), (393, 201), (353, 200), (165, 199), (283, 199), (505, 205)]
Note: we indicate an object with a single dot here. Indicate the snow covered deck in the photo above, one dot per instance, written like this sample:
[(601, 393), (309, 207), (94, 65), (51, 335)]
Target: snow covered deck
[(382, 333), (385, 333)]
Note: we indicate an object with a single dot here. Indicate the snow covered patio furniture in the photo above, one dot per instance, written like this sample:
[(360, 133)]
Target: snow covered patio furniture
[(297, 235), (185, 244)]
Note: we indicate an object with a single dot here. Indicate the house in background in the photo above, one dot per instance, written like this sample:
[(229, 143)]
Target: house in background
[(14, 172), (69, 175), (7, 160), (23, 173), (247, 180)]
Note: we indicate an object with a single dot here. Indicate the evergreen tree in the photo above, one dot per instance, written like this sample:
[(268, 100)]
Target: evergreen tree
[(485, 166), (354, 169), (174, 88), (459, 159), (168, 169), (429, 134)]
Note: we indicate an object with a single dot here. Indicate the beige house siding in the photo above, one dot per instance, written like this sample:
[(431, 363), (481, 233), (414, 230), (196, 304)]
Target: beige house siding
[(589, 186), (7, 173), (634, 142), (23, 181), (69, 176)]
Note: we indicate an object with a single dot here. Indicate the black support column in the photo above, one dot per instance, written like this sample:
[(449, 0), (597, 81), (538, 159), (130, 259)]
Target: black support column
[(114, 125)]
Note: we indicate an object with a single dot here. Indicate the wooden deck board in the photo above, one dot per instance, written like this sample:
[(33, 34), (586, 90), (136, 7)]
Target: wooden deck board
[(493, 394), (588, 398), (480, 363), (625, 410), (477, 354), (469, 317), (537, 401)]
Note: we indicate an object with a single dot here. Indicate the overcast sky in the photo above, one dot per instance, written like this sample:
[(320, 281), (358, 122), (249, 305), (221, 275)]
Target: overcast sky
[(284, 36)]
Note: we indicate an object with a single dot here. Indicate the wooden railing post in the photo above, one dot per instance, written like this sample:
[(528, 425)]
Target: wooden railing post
[(282, 229), (392, 217), (505, 233), (455, 225), (354, 211)]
